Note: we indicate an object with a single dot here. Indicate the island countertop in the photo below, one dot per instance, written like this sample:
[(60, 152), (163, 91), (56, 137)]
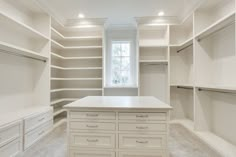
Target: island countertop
[(119, 102)]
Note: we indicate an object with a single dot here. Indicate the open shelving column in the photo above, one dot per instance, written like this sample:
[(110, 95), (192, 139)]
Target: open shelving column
[(24, 56), (202, 70), (76, 66), (153, 61)]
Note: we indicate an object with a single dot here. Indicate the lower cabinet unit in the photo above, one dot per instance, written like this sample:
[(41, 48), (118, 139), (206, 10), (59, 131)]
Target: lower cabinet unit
[(121, 131)]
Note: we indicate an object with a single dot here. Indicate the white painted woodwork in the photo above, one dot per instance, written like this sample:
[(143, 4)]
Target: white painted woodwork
[(117, 124)]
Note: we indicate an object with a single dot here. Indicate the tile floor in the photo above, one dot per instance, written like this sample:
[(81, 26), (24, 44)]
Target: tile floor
[(181, 144)]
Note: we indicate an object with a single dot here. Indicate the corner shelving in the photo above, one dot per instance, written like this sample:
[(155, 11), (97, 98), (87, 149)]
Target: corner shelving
[(76, 66)]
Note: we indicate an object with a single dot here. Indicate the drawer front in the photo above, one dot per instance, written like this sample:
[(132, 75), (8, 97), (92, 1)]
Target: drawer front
[(78, 153), (143, 154), (144, 127), (142, 141), (12, 149), (34, 135), (10, 132), (92, 140), (35, 121), (93, 115), (159, 116), (92, 126)]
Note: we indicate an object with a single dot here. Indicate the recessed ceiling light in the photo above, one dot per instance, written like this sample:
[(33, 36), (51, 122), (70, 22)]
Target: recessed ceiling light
[(81, 15), (161, 13)]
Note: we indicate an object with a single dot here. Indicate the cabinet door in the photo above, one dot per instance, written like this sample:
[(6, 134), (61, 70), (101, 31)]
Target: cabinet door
[(158, 127), (12, 149), (92, 126), (139, 141), (86, 153), (158, 116), (10, 132), (92, 140), (93, 115)]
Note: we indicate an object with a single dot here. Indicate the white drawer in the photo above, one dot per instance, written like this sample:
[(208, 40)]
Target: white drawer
[(144, 127), (12, 149), (93, 115), (90, 140), (86, 153), (142, 141), (10, 132), (92, 126), (32, 122), (158, 116), (160, 153), (34, 135)]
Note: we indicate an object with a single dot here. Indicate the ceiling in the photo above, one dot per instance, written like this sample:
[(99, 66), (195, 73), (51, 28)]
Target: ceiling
[(118, 11)]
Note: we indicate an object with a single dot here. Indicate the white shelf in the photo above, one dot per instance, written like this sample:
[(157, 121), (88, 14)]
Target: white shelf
[(75, 58), (183, 44), (217, 25), (76, 68), (75, 89), (62, 100), (62, 37), (59, 122), (25, 29), (59, 112), (224, 148), (76, 79), (153, 46), (21, 51), (60, 46), (154, 61)]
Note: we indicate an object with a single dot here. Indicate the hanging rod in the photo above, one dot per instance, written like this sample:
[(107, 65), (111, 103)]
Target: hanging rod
[(185, 48), (154, 64), (20, 55), (218, 91), (184, 87), (217, 30)]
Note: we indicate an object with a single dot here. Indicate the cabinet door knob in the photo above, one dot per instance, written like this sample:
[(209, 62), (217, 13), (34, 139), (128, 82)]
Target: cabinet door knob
[(92, 115), (141, 127), (90, 140), (142, 142), (41, 119), (141, 116), (91, 126)]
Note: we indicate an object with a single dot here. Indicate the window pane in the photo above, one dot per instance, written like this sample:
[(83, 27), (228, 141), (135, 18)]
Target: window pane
[(125, 63), (125, 49), (116, 49), (125, 77)]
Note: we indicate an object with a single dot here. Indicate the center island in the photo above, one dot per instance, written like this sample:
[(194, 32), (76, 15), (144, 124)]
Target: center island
[(120, 126)]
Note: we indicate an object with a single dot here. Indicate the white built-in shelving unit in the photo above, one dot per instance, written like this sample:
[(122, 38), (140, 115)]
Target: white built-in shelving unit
[(76, 64), (202, 74), (153, 61), (24, 56)]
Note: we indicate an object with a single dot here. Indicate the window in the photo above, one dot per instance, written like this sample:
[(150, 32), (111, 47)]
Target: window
[(121, 63)]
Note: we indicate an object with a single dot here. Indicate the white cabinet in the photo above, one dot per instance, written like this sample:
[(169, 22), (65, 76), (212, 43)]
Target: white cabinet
[(118, 129), (11, 149)]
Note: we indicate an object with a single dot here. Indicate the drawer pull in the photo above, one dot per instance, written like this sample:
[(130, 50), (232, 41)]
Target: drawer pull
[(91, 126), (141, 127), (42, 132), (41, 119), (92, 115), (142, 142), (89, 140), (141, 116)]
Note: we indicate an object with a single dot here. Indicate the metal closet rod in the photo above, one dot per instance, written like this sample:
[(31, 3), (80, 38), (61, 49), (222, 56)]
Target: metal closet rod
[(155, 64), (20, 55), (185, 48), (184, 87), (212, 90), (204, 37)]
